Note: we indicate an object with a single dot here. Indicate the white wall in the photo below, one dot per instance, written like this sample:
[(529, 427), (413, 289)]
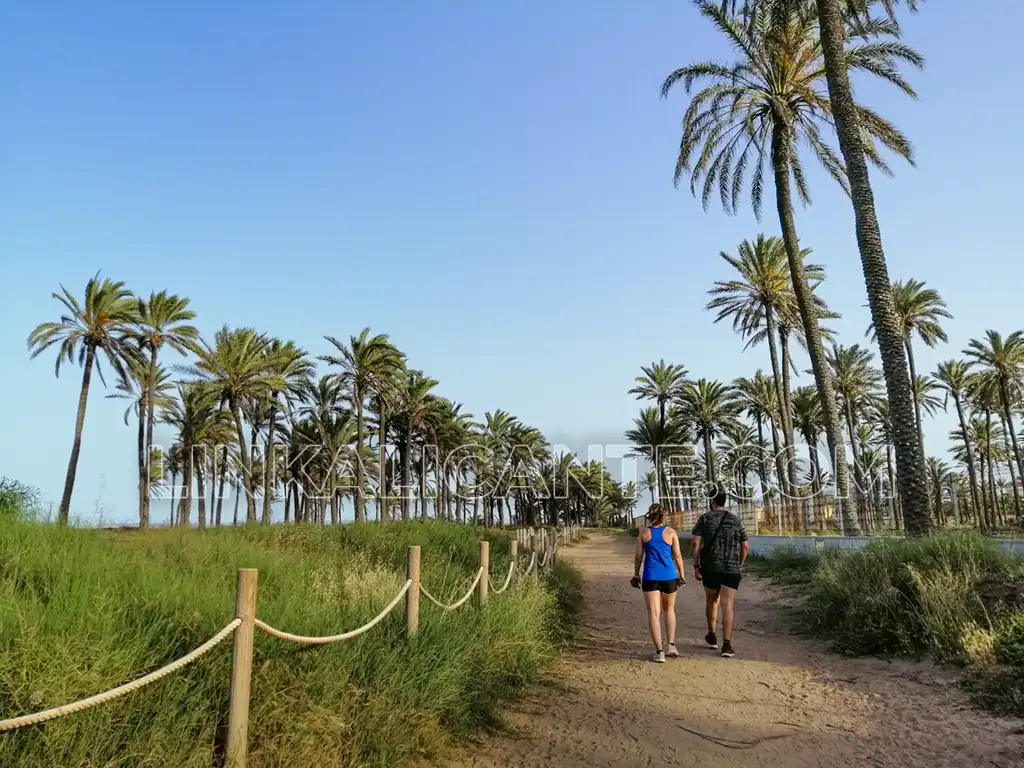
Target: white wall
[(766, 545)]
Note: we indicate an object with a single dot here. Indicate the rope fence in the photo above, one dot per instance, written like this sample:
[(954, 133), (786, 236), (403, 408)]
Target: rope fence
[(242, 629)]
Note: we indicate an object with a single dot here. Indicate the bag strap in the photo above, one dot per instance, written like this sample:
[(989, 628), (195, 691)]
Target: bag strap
[(711, 541)]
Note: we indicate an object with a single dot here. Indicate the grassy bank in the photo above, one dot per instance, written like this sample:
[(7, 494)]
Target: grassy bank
[(956, 598), (83, 611)]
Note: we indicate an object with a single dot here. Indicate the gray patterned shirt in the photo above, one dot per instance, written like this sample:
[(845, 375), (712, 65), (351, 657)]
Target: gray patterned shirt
[(724, 556)]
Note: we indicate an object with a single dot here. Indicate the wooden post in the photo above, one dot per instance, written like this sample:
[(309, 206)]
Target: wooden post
[(554, 548), (412, 597), (513, 550), (241, 669), (485, 564)]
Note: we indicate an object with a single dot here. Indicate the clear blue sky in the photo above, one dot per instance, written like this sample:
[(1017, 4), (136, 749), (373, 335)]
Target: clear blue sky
[(489, 183)]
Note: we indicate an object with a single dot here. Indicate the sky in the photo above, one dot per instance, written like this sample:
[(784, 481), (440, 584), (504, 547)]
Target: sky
[(488, 183)]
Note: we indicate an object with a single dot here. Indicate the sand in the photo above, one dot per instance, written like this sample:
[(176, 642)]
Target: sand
[(782, 701)]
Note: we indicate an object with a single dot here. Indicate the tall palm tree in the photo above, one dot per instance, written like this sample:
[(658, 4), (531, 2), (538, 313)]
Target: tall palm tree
[(953, 376), (711, 406), (656, 442), (91, 329), (920, 312), (163, 320), (364, 361), (410, 420), (661, 382), (761, 108), (1003, 361), (855, 145), (235, 367)]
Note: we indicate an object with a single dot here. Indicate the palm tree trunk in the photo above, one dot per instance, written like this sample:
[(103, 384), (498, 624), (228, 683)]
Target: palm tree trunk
[(69, 480), (269, 469), (971, 474), (243, 451), (238, 492), (404, 459), (1009, 463), (222, 478), (148, 449), (201, 492), (913, 382), (174, 483), (910, 467), (1008, 419), (709, 457), (357, 395), (781, 149), (185, 506), (382, 460), (778, 467), (784, 415), (991, 470), (143, 469)]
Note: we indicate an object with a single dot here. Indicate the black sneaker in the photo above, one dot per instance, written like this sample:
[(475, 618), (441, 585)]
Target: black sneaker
[(727, 651), (711, 640)]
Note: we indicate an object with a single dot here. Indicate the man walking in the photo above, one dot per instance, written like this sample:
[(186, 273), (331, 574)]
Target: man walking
[(720, 548)]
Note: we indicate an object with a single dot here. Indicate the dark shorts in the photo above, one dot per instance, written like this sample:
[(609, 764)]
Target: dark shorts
[(665, 587), (718, 580)]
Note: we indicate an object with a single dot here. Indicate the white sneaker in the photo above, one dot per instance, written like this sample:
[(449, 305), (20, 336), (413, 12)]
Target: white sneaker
[(671, 651), (659, 657)]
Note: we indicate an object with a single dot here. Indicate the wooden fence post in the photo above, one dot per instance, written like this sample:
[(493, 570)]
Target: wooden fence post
[(554, 547), (241, 669), (513, 550), (485, 564), (412, 597)]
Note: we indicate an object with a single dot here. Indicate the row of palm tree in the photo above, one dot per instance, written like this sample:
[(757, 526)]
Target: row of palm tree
[(249, 412), (731, 423)]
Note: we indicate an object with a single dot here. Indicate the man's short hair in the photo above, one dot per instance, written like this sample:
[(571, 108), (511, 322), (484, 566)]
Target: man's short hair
[(719, 496)]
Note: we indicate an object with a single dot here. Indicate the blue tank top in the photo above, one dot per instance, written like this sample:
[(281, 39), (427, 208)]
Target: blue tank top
[(658, 565)]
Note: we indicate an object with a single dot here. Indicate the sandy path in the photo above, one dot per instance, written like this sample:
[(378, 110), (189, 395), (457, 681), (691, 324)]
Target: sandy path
[(782, 701)]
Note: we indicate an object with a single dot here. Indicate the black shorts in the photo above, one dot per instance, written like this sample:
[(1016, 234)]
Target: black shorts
[(718, 580), (665, 587)]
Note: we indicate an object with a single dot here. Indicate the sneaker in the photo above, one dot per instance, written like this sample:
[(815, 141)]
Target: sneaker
[(659, 657), (727, 651), (711, 640), (671, 651)]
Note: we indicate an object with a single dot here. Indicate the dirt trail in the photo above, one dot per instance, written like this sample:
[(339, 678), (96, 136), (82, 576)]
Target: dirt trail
[(782, 702)]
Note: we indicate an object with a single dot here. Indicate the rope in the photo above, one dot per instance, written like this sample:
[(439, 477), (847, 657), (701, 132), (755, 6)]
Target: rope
[(544, 562), (508, 579), (336, 638), (114, 693), (453, 606), (533, 563)]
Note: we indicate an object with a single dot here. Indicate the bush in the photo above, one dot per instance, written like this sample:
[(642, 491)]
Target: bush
[(956, 597), (17, 499), (82, 611)]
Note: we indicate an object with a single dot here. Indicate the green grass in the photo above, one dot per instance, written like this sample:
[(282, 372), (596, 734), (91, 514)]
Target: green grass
[(955, 597), (82, 611)]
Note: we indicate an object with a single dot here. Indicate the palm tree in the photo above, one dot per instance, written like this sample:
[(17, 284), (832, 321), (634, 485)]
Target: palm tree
[(1003, 361), (953, 377), (762, 107), (163, 320), (656, 442), (710, 406), (236, 368), (193, 414), (410, 420), (855, 384), (758, 397), (365, 362), (96, 326), (662, 383), (292, 364), (142, 385), (755, 303), (920, 311), (834, 30)]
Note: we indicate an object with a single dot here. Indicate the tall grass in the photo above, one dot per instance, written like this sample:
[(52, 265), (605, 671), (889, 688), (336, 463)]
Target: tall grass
[(954, 597), (83, 611)]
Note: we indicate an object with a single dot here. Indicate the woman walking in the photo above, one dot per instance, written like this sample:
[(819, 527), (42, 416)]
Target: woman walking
[(657, 547)]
